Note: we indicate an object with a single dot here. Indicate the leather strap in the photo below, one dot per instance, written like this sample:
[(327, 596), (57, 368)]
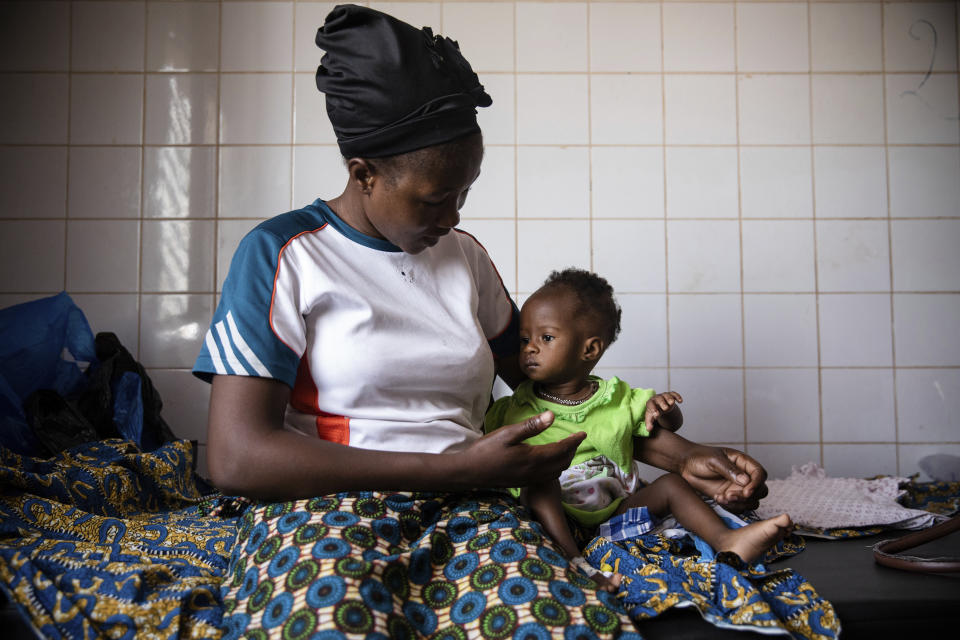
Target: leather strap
[(888, 553)]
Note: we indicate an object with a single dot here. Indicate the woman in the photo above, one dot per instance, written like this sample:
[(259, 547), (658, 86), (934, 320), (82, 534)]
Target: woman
[(352, 357)]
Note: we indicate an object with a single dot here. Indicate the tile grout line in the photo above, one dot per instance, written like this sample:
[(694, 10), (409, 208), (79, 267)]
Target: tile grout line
[(495, 72), (516, 155), (216, 161), (293, 103), (743, 314), (590, 221), (816, 245), (663, 160), (609, 218), (143, 139), (886, 168), (66, 195), (625, 293), (854, 145)]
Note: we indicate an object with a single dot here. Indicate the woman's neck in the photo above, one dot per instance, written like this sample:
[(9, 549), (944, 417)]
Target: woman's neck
[(349, 207)]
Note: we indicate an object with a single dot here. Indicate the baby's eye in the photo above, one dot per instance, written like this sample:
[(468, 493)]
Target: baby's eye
[(547, 337), (524, 340)]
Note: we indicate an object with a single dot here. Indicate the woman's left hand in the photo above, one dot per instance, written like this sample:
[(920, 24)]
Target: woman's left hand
[(731, 477)]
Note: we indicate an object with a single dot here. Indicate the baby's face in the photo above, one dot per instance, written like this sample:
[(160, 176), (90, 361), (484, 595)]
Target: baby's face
[(552, 338)]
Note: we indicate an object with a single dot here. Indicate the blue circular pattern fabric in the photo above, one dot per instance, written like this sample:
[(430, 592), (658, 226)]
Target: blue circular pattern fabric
[(407, 565)]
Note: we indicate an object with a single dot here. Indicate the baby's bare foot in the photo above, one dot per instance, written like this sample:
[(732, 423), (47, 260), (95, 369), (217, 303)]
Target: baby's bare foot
[(751, 541)]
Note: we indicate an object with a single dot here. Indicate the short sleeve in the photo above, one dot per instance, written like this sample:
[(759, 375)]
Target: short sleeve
[(257, 329), (638, 409), (498, 315)]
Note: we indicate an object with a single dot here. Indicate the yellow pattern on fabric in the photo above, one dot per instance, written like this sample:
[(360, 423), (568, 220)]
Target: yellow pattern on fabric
[(660, 573), (110, 540)]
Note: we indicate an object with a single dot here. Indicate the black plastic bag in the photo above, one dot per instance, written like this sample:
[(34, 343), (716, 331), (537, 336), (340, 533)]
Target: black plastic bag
[(119, 400)]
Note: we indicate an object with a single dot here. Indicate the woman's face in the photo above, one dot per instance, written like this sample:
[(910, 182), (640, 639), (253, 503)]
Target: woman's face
[(419, 204)]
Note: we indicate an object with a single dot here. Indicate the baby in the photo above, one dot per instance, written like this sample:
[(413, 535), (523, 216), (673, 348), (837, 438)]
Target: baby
[(565, 327)]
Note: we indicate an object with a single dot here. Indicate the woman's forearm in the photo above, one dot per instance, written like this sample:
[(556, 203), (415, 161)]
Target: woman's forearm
[(284, 465), (665, 450), (250, 453), (672, 419)]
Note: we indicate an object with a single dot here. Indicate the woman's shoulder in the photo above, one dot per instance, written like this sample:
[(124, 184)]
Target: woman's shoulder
[(470, 245), (291, 224)]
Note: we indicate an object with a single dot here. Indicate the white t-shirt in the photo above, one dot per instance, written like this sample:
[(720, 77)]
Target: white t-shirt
[(382, 349)]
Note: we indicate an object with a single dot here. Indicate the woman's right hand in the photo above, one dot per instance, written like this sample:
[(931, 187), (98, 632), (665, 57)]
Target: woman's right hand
[(503, 459)]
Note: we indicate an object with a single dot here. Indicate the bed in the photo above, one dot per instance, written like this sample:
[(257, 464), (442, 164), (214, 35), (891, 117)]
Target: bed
[(107, 539)]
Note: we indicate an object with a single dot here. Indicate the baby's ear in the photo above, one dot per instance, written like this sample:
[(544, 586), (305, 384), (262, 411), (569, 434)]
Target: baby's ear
[(593, 348)]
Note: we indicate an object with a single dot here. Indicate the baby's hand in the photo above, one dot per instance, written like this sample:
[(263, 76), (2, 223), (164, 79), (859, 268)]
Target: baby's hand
[(658, 406), (610, 585)]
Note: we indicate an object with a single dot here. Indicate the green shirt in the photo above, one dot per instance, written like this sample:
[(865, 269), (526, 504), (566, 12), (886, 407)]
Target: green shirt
[(611, 418)]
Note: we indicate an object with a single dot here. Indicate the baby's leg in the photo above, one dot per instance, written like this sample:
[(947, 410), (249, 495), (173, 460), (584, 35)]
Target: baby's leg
[(544, 500), (670, 493)]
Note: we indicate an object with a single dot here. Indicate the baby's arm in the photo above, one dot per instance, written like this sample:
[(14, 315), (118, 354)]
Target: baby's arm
[(544, 500), (663, 410)]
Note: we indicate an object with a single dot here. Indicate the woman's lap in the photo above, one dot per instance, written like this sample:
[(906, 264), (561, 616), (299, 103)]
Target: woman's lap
[(402, 565)]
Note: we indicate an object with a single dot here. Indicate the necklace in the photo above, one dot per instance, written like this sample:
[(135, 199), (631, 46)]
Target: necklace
[(569, 402)]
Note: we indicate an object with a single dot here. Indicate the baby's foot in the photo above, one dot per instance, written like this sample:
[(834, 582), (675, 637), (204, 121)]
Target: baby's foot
[(751, 541)]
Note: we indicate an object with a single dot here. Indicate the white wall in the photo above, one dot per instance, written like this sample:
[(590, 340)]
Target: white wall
[(772, 187)]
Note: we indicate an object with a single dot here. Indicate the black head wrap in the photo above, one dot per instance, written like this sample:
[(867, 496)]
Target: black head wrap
[(392, 88)]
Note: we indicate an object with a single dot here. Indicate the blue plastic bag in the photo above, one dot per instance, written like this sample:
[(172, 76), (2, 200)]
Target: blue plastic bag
[(44, 344)]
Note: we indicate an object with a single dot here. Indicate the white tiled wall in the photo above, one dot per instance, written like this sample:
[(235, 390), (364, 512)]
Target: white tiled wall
[(772, 187)]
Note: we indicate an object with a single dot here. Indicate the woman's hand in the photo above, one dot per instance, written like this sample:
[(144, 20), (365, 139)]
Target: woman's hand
[(731, 477), (502, 459)]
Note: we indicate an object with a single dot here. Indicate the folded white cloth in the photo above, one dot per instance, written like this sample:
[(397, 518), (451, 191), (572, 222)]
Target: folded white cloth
[(815, 501)]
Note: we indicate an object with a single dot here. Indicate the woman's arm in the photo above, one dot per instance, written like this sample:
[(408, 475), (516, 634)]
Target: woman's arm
[(671, 419), (508, 368), (251, 454)]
